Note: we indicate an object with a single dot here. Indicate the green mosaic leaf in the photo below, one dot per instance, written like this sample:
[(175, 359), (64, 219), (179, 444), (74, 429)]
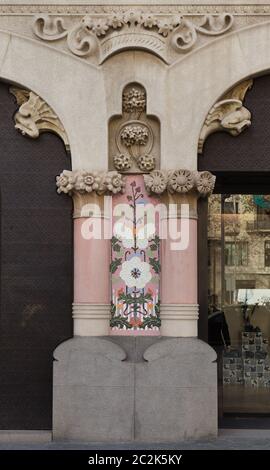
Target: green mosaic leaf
[(119, 322), (115, 264), (155, 264), (151, 321)]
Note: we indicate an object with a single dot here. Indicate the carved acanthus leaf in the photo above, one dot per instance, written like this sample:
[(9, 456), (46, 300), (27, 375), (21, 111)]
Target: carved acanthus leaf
[(104, 34), (35, 116), (228, 114)]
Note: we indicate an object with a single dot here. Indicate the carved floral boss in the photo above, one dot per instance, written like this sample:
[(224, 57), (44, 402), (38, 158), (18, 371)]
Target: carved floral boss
[(134, 136), (102, 35)]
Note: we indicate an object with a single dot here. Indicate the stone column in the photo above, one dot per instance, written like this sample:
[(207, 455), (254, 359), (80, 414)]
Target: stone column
[(97, 394), (179, 307), (91, 306)]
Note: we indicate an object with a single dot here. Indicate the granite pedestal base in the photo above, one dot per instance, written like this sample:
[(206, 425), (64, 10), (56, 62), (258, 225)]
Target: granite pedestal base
[(126, 388)]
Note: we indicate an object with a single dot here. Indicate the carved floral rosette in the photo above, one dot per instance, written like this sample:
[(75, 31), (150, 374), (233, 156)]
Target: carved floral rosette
[(135, 265), (179, 181), (85, 182)]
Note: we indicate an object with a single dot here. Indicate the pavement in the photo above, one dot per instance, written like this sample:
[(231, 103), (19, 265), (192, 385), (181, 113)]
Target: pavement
[(228, 439)]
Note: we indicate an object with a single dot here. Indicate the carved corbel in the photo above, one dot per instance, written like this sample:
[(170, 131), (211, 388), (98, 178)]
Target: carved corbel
[(228, 114), (35, 116)]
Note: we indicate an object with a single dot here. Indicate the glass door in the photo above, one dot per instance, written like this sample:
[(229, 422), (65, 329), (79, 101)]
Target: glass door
[(239, 300)]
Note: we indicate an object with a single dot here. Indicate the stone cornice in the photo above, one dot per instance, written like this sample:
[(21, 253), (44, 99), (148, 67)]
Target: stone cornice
[(186, 9)]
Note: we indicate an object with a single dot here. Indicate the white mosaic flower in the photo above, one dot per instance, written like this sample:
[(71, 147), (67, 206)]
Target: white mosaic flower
[(144, 234), (125, 234), (135, 273)]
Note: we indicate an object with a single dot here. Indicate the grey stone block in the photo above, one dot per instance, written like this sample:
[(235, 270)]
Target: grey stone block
[(145, 389), (93, 391), (176, 391)]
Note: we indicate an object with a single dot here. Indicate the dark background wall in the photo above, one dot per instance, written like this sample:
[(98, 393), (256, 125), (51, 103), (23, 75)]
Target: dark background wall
[(36, 270)]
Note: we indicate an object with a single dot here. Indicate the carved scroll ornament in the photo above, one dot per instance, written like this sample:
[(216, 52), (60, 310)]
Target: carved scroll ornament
[(105, 34), (228, 114), (35, 116)]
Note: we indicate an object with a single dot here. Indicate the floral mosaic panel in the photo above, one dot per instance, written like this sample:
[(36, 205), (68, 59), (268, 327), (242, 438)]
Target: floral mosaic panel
[(135, 264)]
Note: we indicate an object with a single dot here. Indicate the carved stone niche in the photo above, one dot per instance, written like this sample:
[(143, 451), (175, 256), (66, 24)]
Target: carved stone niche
[(134, 137)]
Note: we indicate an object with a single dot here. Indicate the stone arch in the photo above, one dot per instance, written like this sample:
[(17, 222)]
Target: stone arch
[(214, 68), (35, 66)]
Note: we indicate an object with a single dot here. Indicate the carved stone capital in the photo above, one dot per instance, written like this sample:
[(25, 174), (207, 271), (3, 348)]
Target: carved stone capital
[(180, 182), (86, 182), (87, 189), (35, 116), (228, 114)]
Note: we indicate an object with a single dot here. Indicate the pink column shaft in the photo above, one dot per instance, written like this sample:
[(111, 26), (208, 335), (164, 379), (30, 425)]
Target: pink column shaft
[(91, 268), (179, 270)]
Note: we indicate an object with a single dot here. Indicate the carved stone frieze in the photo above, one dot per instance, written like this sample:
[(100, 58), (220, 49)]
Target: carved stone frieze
[(228, 114), (71, 8), (134, 137), (85, 182), (103, 35), (95, 32), (35, 116), (180, 181)]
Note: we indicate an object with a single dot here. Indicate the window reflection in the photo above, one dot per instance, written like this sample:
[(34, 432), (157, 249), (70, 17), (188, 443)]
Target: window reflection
[(239, 298)]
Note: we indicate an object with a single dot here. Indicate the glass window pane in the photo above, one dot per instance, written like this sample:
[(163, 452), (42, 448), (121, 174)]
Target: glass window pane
[(239, 299)]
